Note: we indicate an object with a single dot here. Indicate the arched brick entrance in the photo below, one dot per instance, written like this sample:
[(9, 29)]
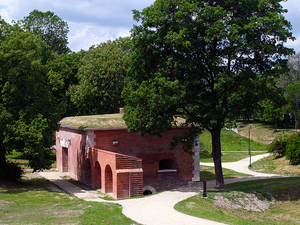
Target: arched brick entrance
[(97, 175), (108, 180), (88, 172)]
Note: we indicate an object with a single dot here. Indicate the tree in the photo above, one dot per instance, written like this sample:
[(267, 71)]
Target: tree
[(292, 95), (204, 61), (62, 74), (101, 78), (51, 28), (293, 74), (28, 117)]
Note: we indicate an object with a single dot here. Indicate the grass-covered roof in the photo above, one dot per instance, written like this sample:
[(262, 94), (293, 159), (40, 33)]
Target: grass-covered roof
[(95, 121), (100, 121)]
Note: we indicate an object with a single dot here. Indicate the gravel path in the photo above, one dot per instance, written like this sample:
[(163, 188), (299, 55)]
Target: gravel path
[(242, 165), (158, 209)]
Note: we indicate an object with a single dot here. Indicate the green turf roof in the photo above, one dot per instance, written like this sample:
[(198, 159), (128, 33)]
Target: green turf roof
[(99, 121), (95, 121)]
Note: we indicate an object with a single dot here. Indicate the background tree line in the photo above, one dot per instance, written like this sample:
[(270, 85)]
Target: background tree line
[(42, 81), (283, 107)]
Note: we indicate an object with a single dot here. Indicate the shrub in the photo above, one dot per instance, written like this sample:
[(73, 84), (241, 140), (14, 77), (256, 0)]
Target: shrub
[(278, 146), (293, 149), (10, 172)]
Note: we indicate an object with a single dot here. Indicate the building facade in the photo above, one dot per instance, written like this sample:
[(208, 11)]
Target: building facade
[(124, 163)]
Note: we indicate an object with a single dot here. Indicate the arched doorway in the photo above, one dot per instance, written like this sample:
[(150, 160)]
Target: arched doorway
[(88, 172), (108, 180), (97, 175)]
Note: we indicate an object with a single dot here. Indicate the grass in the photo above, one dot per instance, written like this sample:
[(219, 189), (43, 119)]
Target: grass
[(230, 141), (94, 121), (262, 132), (208, 173), (275, 165), (272, 201), (229, 156), (234, 147), (101, 121), (18, 158), (38, 201)]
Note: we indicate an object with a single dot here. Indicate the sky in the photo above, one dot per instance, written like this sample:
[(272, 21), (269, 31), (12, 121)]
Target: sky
[(92, 22)]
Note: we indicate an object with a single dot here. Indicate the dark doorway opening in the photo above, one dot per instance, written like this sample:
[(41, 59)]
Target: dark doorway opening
[(65, 160)]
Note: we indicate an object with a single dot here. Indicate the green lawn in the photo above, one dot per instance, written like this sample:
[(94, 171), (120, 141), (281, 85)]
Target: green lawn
[(263, 133), (18, 158), (272, 201), (274, 165), (234, 147), (208, 173), (38, 201), (230, 141)]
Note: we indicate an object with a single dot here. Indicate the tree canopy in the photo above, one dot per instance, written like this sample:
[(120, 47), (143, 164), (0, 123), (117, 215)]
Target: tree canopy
[(62, 75), (28, 116), (50, 27), (205, 61), (292, 75), (292, 95), (101, 78)]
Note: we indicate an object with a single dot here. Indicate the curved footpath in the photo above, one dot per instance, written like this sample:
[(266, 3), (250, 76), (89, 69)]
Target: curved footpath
[(159, 208)]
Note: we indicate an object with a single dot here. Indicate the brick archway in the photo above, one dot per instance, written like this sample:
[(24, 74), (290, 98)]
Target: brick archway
[(88, 172), (108, 179), (97, 175)]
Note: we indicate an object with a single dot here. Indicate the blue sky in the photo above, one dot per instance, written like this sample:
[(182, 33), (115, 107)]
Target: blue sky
[(94, 21)]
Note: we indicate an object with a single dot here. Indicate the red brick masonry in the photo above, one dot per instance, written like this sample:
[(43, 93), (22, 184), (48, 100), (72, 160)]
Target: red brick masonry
[(121, 162)]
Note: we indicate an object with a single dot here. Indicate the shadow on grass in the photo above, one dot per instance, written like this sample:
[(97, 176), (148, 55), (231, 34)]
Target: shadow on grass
[(206, 175), (20, 186)]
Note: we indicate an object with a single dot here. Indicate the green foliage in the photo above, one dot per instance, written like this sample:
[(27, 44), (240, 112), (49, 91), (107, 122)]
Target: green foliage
[(278, 146), (292, 95), (51, 28), (292, 75), (62, 74), (293, 149), (28, 114), (205, 61), (10, 171), (287, 146), (101, 78), (271, 108)]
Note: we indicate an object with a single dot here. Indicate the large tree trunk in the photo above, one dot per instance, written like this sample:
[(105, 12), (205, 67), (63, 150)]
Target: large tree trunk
[(2, 158), (216, 153)]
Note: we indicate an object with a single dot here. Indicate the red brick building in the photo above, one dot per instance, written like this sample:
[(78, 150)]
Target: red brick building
[(108, 157)]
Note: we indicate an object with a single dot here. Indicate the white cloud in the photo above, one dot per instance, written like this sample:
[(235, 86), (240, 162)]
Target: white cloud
[(294, 44), (94, 21), (83, 36)]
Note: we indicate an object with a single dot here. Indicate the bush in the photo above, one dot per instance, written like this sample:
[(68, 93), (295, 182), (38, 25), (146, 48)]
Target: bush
[(293, 149), (278, 146), (10, 172)]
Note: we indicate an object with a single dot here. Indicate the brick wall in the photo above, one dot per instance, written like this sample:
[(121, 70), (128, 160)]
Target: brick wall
[(151, 149), (126, 167), (71, 157), (116, 173)]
